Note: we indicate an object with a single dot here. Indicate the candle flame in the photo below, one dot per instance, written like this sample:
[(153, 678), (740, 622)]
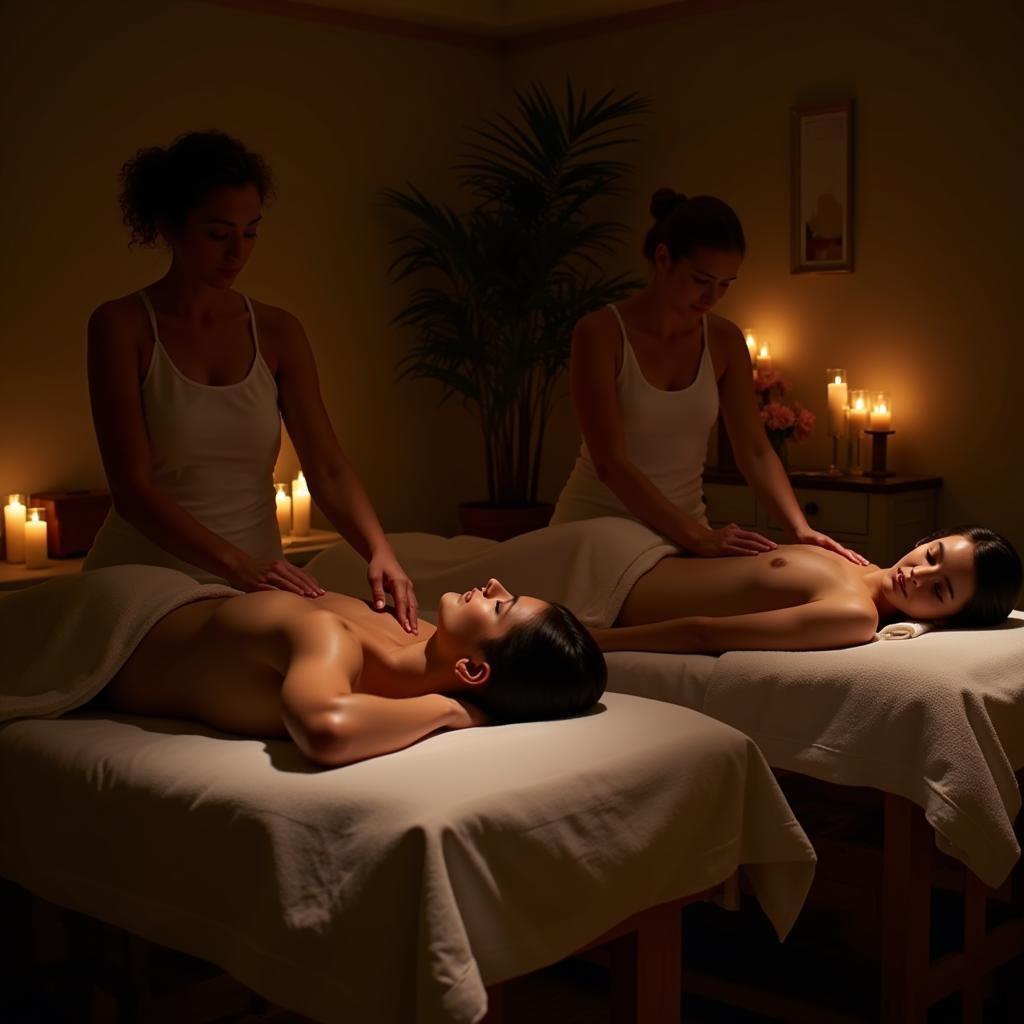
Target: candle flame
[(34, 518), (860, 405), (763, 354), (751, 343), (838, 380)]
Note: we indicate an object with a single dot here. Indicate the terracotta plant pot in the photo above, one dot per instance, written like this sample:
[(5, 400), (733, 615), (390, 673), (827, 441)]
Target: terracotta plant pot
[(500, 522)]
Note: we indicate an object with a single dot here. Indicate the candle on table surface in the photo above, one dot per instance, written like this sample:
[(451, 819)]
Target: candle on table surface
[(751, 345), (35, 539), (300, 506), (14, 527), (837, 394), (284, 510), (764, 358), (881, 411), (858, 412)]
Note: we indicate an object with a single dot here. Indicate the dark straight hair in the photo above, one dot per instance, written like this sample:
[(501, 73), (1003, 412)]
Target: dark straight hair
[(686, 225), (997, 575)]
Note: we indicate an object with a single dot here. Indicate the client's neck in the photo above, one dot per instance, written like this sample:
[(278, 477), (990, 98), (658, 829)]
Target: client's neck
[(874, 580), (408, 671)]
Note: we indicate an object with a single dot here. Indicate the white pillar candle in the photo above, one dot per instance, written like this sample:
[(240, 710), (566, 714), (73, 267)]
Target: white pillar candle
[(858, 413), (14, 527), (837, 394), (300, 506), (881, 415), (35, 539), (764, 358), (284, 510)]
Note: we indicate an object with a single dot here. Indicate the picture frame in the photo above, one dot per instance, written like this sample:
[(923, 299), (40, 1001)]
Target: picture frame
[(821, 219)]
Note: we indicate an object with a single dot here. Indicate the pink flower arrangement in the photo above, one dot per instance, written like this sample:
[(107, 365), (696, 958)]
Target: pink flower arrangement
[(781, 421)]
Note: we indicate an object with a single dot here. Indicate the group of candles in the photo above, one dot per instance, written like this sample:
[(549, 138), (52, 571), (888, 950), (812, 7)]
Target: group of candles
[(25, 532), (293, 510), (859, 410)]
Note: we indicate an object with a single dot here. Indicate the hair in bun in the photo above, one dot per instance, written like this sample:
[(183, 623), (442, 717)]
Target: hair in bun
[(664, 201), (685, 225)]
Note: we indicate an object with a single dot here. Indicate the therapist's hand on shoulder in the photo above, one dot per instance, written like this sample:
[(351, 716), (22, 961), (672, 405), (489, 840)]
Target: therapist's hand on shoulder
[(823, 540), (731, 540), (387, 576), (251, 574)]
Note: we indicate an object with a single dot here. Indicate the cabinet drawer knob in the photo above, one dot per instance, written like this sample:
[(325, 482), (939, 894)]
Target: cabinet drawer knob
[(811, 508)]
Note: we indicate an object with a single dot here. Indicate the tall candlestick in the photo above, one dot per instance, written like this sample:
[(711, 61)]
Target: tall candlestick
[(284, 510), (14, 527), (300, 506), (751, 345), (837, 393), (35, 539)]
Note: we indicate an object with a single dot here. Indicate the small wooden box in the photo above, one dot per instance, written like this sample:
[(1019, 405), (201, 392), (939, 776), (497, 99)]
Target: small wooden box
[(72, 519)]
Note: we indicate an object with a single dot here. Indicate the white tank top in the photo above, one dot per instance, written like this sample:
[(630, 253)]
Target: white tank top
[(214, 450), (666, 435)]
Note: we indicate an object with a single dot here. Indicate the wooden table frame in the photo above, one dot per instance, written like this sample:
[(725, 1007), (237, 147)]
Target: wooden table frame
[(903, 877)]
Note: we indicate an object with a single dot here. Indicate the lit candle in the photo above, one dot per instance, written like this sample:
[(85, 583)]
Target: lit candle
[(751, 345), (881, 411), (300, 506), (14, 527), (858, 412), (284, 510), (837, 394), (764, 358), (35, 539)]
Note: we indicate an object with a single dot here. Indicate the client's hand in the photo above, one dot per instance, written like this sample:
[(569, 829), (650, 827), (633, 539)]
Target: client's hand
[(385, 574), (732, 540), (823, 540), (467, 715), (251, 574)]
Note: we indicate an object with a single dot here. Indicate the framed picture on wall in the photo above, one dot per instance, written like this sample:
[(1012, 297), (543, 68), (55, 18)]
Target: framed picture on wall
[(822, 189)]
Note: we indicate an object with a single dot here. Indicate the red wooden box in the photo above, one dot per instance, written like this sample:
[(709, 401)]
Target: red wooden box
[(72, 519)]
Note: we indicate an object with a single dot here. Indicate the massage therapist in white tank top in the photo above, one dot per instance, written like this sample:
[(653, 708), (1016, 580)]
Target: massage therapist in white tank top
[(189, 382), (648, 378)]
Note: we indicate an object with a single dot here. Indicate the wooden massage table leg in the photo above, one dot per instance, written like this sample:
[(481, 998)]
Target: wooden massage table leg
[(644, 960), (906, 913)]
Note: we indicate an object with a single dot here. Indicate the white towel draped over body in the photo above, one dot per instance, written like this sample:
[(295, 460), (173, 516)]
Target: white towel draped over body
[(588, 566), (63, 641)]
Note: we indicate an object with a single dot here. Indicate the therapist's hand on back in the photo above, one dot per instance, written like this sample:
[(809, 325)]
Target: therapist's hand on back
[(251, 574), (386, 574), (731, 540), (823, 540)]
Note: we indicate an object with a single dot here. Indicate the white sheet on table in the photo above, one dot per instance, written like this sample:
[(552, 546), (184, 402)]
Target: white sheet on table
[(396, 889), (939, 721)]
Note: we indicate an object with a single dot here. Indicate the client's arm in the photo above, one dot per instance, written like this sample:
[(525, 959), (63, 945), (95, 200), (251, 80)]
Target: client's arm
[(817, 625), (334, 726)]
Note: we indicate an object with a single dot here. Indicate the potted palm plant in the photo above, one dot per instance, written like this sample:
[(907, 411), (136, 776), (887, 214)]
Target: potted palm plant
[(500, 286)]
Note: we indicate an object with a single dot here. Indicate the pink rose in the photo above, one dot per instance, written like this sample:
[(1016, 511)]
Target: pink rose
[(777, 416), (805, 420)]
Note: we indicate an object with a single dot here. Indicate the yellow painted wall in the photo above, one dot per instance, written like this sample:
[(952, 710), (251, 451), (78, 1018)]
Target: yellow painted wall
[(931, 312), (339, 114)]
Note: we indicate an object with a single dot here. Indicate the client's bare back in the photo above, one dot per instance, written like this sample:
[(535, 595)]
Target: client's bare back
[(791, 575)]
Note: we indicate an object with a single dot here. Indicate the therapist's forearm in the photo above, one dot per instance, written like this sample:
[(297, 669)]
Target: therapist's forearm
[(770, 483), (643, 499), (341, 496), (164, 522)]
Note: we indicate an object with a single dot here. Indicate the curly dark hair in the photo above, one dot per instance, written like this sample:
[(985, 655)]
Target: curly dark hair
[(160, 187), (685, 225), (549, 667), (998, 576)]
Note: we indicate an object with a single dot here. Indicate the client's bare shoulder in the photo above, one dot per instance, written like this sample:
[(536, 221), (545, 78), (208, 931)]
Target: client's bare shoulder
[(824, 574)]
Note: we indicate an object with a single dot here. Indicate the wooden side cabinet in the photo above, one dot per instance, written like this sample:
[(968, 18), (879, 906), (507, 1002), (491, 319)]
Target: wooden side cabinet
[(882, 518)]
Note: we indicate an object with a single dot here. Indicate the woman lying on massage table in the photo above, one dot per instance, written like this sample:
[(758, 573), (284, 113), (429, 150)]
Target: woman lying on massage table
[(329, 672), (799, 598)]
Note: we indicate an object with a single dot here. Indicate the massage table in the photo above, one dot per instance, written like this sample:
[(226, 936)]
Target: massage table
[(934, 723), (394, 890)]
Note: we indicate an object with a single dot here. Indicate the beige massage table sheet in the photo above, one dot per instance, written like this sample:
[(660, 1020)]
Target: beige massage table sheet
[(938, 719), (393, 890)]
